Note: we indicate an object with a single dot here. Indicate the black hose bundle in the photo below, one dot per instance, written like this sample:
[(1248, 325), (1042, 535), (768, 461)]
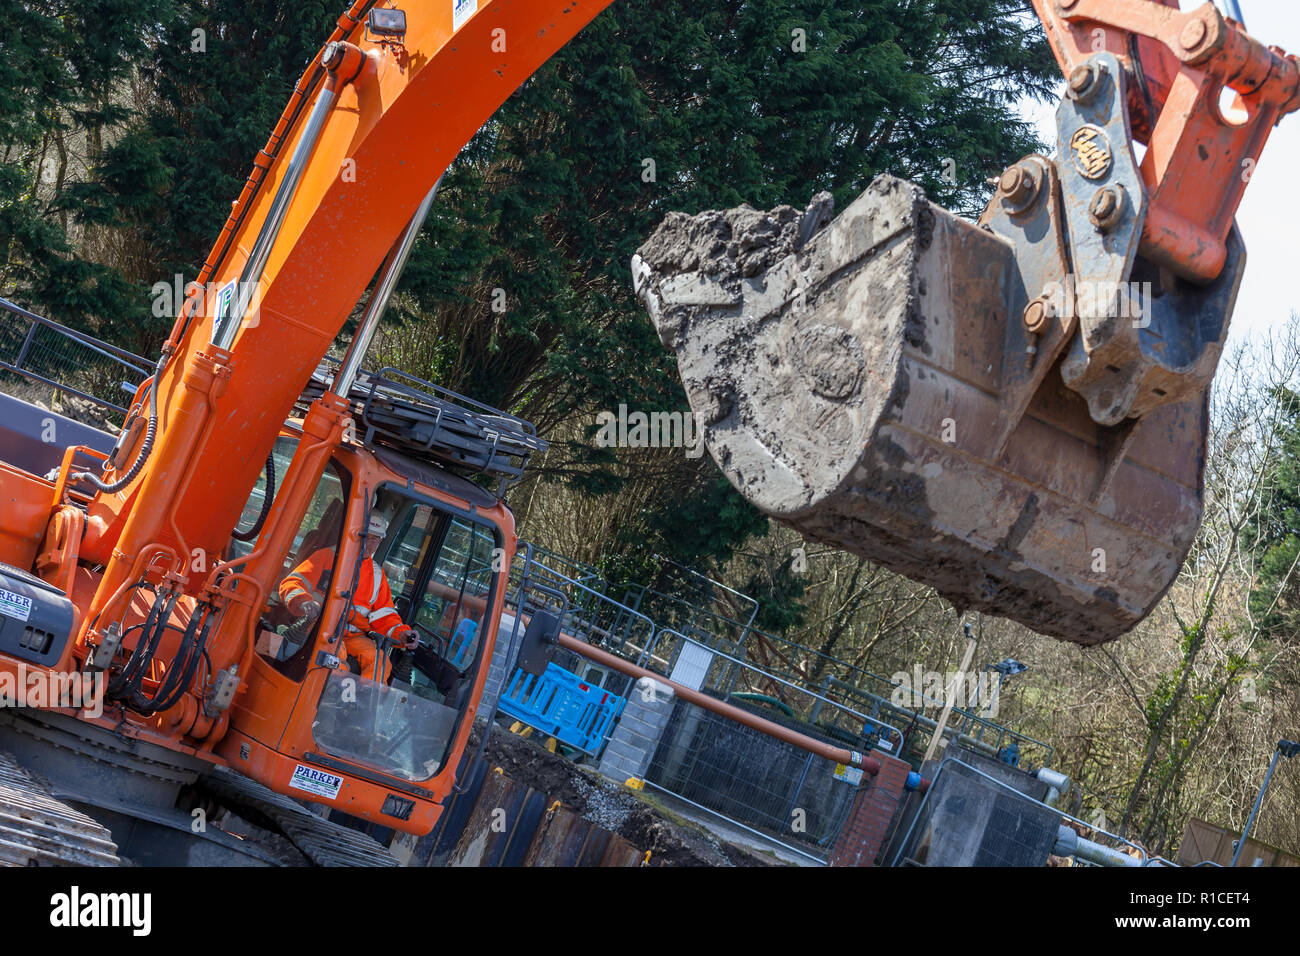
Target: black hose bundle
[(128, 679), (181, 672), (252, 533), (145, 448)]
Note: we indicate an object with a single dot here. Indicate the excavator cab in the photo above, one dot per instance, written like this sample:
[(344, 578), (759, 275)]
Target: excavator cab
[(1014, 410), (379, 735)]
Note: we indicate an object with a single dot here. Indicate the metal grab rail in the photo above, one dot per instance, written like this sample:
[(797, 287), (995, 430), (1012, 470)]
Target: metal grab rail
[(598, 601), (730, 821), (585, 605), (130, 359)]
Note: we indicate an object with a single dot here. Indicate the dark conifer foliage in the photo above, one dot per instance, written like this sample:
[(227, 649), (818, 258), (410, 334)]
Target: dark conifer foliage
[(658, 105)]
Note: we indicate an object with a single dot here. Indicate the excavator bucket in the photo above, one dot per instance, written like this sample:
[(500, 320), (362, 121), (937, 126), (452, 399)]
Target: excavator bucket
[(878, 384), (1012, 411)]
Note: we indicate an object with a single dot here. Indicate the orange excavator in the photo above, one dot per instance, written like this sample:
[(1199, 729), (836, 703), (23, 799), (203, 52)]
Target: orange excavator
[(156, 566)]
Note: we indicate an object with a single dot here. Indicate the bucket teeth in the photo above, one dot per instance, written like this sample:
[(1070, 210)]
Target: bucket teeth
[(850, 385)]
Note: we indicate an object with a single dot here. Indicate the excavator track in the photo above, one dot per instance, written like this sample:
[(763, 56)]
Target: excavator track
[(38, 830), (322, 842)]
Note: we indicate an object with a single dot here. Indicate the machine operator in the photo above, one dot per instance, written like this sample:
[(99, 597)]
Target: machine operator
[(302, 592)]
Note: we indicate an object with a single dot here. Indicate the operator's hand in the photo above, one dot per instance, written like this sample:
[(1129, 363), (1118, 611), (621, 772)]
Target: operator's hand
[(307, 608), (410, 639)]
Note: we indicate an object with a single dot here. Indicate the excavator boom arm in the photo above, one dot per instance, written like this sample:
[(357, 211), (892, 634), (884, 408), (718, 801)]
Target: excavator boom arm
[(388, 113)]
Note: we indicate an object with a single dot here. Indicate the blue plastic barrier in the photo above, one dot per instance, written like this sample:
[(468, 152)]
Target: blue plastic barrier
[(462, 642), (561, 705)]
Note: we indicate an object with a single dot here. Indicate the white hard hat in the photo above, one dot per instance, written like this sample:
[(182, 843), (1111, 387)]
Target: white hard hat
[(378, 526)]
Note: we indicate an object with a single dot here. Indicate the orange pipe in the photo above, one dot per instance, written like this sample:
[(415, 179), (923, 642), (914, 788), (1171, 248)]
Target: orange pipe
[(812, 745)]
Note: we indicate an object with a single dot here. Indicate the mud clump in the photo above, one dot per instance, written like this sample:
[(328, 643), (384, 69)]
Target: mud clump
[(743, 242)]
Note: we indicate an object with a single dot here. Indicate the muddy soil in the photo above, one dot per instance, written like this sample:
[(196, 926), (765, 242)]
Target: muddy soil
[(672, 841)]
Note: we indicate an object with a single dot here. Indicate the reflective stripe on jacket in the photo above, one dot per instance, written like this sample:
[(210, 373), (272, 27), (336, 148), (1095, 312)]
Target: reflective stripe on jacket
[(372, 603)]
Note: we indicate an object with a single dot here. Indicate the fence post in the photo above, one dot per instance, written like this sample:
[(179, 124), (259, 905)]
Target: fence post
[(794, 798), (22, 352)]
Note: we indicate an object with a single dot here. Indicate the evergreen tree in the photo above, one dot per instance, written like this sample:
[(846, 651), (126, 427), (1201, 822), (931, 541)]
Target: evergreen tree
[(63, 74), (219, 75)]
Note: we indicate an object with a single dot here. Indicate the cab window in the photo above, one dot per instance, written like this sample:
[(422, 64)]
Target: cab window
[(454, 598), (440, 570), (282, 452), (284, 639)]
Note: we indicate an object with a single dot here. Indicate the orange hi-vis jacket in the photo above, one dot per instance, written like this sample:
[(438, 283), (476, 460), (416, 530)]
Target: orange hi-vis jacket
[(372, 603)]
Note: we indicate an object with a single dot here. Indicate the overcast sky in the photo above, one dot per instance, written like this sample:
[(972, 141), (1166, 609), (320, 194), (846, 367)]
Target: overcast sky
[(1269, 215)]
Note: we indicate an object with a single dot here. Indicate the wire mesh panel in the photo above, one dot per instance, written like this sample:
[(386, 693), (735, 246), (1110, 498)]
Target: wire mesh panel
[(749, 777), (566, 568), (859, 691), (753, 777), (776, 699), (53, 358), (965, 727)]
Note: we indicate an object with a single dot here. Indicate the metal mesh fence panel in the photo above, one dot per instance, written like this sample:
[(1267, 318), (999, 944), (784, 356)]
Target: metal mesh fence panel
[(747, 776), (39, 358)]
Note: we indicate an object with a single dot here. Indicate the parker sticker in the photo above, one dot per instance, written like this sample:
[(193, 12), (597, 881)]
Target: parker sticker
[(315, 781), (462, 10), (15, 605), (225, 298)]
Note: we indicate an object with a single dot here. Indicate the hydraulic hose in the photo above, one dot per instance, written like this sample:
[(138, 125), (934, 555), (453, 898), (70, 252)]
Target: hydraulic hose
[(145, 448), (116, 682), (118, 685), (252, 533), (171, 692), (141, 702), (145, 649)]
